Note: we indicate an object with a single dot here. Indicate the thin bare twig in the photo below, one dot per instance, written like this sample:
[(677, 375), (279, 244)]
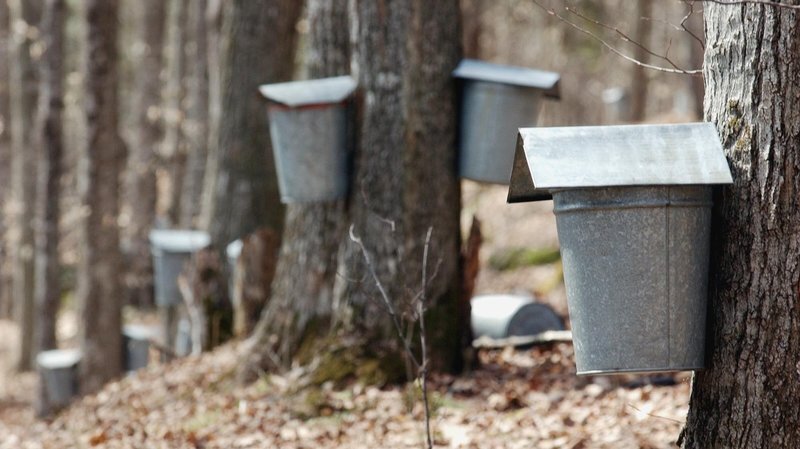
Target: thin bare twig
[(690, 5), (384, 296), (655, 416), (624, 37), (614, 49), (421, 306), (420, 301)]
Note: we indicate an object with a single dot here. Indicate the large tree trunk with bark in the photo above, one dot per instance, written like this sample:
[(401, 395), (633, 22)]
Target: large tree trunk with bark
[(748, 395), (258, 42), (197, 114), (405, 179), (5, 163), (301, 303), (48, 139), (140, 189), (98, 291), (25, 17)]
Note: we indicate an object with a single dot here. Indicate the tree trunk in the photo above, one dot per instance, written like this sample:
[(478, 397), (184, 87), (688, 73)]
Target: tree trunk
[(49, 141), (141, 179), (174, 146), (258, 47), (213, 17), (639, 75), (98, 291), (25, 17), (301, 303), (197, 114), (472, 16), (6, 298), (405, 179), (748, 395)]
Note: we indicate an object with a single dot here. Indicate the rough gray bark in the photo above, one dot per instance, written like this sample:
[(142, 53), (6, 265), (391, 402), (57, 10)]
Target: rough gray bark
[(748, 395), (5, 164), (25, 15), (639, 75), (197, 114), (48, 139), (258, 42), (140, 189), (98, 290), (405, 179), (173, 148), (301, 303)]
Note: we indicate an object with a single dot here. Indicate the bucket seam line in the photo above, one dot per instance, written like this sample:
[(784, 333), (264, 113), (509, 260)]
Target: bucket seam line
[(669, 303)]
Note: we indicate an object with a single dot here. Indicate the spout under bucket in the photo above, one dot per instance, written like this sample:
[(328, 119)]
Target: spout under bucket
[(635, 268), (491, 115)]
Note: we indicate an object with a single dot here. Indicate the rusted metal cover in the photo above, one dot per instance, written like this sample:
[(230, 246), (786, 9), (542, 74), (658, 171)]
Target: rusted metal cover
[(633, 210), (605, 156), (309, 127), (171, 249), (496, 100)]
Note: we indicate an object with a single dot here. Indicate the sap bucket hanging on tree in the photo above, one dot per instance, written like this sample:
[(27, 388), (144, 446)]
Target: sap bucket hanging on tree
[(496, 101), (309, 127), (171, 249), (633, 210)]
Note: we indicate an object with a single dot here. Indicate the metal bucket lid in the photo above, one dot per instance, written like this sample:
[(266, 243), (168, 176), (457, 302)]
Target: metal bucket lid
[(471, 69), (139, 332), (179, 241), (309, 92), (58, 358)]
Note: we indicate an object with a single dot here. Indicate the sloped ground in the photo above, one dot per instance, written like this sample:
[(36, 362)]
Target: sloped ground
[(517, 399)]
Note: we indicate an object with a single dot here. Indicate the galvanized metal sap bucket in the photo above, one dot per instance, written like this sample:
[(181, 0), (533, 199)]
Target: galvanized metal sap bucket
[(59, 373), (501, 316), (171, 249), (232, 252), (136, 341), (496, 101), (308, 123), (633, 211)]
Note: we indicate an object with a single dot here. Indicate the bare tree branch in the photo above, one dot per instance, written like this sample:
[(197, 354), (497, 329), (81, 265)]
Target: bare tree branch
[(690, 5), (624, 37), (614, 49)]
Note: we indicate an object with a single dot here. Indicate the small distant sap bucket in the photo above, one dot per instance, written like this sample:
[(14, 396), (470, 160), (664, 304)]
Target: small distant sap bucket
[(136, 339), (490, 117), (59, 373), (311, 151), (171, 249), (502, 316), (232, 252), (635, 268)]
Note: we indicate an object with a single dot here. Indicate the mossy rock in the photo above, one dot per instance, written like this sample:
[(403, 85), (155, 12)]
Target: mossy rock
[(513, 258)]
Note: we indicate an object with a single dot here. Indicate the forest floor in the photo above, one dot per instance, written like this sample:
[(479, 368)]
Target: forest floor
[(516, 398)]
